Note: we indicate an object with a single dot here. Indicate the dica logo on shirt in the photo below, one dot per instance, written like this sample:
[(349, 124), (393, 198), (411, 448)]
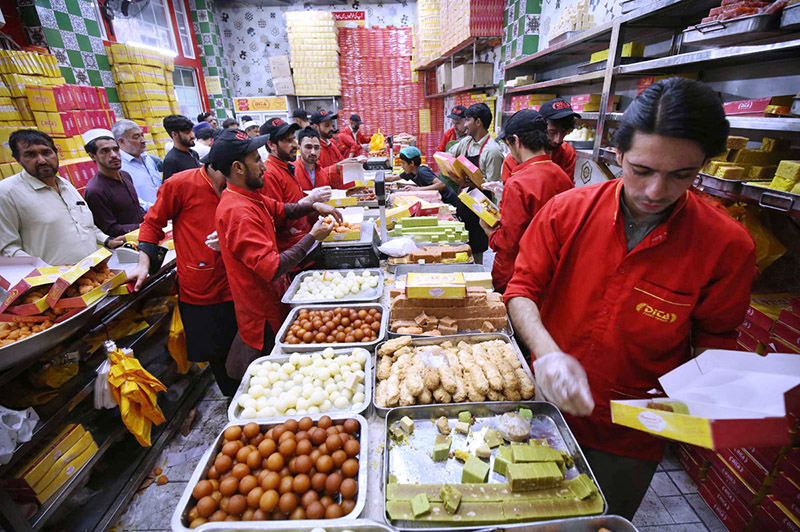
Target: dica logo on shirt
[(654, 313)]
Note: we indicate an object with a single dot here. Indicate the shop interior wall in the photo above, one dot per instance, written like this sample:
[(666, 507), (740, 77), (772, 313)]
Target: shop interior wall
[(603, 11), (205, 20)]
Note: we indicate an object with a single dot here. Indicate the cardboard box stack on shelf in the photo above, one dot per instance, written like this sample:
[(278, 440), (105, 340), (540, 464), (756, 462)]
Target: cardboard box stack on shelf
[(427, 33), (520, 29), (575, 18), (469, 18), (281, 75), (144, 83), (380, 87), (314, 53), (528, 101), (772, 324), (468, 98)]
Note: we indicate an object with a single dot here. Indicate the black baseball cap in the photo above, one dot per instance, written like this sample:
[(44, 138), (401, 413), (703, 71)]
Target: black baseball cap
[(556, 109), (232, 144), (322, 116), (525, 120), (356, 118), (300, 113), (275, 128), (459, 113)]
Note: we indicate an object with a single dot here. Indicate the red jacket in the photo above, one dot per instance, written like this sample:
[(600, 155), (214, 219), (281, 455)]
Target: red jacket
[(449, 136), (189, 199), (350, 143), (531, 185), (281, 186), (302, 177), (329, 155), (246, 227), (564, 157), (631, 317)]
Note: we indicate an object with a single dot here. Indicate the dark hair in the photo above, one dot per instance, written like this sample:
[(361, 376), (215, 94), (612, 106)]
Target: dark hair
[(534, 140), (416, 161), (202, 116), (564, 124), (225, 166), (246, 118), (177, 124), (228, 122), (91, 146), (205, 133), (306, 132), (29, 136), (679, 108), (480, 111)]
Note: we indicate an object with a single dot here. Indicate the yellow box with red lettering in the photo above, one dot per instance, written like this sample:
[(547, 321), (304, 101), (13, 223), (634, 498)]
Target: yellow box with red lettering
[(721, 400), (41, 98), (86, 282), (29, 295), (339, 198), (398, 213), (65, 467), (486, 210), (465, 167), (449, 285)]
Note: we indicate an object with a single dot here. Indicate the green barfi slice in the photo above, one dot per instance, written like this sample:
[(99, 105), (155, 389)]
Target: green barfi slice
[(420, 505), (451, 498), (493, 438), (533, 475), (441, 448), (475, 471), (501, 460)]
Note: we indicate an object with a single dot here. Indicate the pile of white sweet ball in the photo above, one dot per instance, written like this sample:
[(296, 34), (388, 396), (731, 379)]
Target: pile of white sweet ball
[(306, 384), (334, 285)]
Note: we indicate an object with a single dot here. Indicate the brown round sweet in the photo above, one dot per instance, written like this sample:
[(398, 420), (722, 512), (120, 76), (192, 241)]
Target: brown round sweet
[(237, 505), (324, 464), (285, 435), (202, 488), (213, 474), (230, 449), (339, 458), (298, 514), (315, 510), (251, 429), (350, 467), (318, 436), (291, 425), (277, 432), (352, 448), (326, 501), (318, 481), (300, 436), (260, 515), (307, 498), (253, 497), (349, 488), (269, 501), (254, 459), (271, 481), (247, 484), (197, 522), (348, 505), (223, 463), (332, 483), (206, 506), (248, 514), (233, 433), (229, 486), (324, 422), (242, 454), (267, 447), (240, 471), (333, 443), (286, 485), (350, 426), (288, 502), (217, 516), (288, 447), (334, 511), (304, 447), (301, 484), (305, 423), (275, 462)]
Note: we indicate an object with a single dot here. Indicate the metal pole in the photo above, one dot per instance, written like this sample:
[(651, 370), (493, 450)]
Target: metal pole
[(614, 53)]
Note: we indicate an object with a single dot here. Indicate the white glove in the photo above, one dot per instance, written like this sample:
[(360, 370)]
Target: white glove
[(320, 195), (561, 380), (212, 241), (495, 187)]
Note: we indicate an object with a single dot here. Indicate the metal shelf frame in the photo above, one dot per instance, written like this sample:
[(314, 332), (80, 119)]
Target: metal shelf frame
[(468, 88)]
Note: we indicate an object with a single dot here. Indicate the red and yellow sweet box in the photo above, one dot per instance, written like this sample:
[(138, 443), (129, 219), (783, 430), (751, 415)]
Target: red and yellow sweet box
[(86, 282), (29, 296)]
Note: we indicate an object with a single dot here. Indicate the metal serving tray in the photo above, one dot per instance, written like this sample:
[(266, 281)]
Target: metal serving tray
[(411, 464), (404, 269), (614, 523), (733, 31), (234, 410), (372, 294), (777, 200), (310, 348), (339, 525), (729, 189), (436, 340), (179, 524), (582, 144), (790, 20)]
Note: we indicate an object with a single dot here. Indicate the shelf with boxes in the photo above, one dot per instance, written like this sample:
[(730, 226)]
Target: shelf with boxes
[(468, 88)]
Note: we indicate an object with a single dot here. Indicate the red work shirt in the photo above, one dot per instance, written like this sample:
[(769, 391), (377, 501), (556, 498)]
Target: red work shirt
[(329, 155), (530, 186), (190, 200), (350, 143), (564, 157), (246, 228), (631, 317), (303, 178), (282, 187), (449, 136)]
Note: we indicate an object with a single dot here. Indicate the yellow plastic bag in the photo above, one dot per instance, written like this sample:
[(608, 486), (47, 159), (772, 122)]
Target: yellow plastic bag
[(377, 142), (177, 342), (768, 247)]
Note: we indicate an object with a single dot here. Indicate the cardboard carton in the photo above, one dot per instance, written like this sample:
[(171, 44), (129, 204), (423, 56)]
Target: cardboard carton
[(462, 75), (444, 77), (436, 285), (36, 468), (14, 301), (69, 468), (481, 205), (65, 280), (283, 86), (735, 399), (465, 167), (279, 66)]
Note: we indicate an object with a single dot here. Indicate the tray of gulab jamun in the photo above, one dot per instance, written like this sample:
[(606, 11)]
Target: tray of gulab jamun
[(307, 328), (311, 469)]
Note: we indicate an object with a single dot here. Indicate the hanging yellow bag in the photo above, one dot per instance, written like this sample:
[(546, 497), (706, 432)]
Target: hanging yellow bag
[(377, 142), (177, 342), (768, 247)]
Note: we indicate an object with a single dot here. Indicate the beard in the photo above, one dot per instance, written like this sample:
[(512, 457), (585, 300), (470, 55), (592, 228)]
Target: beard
[(45, 171), (287, 156), (253, 180), (186, 143)]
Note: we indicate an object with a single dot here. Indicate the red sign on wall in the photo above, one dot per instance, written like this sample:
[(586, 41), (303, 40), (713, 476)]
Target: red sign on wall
[(350, 19)]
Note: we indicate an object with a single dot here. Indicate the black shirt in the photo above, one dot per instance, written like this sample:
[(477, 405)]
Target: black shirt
[(178, 161), (425, 177)]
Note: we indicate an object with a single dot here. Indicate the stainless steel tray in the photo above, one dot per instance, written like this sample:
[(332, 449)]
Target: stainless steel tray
[(729, 189), (582, 144), (790, 20), (436, 340), (178, 523), (234, 410), (373, 294), (37, 344), (436, 266), (309, 348), (339, 525), (408, 464), (404, 269), (769, 198), (733, 31), (614, 523)]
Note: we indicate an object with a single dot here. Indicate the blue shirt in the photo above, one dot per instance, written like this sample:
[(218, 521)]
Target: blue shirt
[(145, 175)]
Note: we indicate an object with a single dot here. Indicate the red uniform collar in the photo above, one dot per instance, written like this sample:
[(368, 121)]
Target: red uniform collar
[(274, 161), (533, 160), (675, 211), (207, 179), (252, 195)]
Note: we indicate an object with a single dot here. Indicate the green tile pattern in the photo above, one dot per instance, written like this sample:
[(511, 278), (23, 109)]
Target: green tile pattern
[(212, 58), (521, 35)]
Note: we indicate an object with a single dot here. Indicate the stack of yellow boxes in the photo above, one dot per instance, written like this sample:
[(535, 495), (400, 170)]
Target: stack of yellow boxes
[(576, 17), (19, 70), (470, 98), (428, 33), (314, 45), (145, 87)]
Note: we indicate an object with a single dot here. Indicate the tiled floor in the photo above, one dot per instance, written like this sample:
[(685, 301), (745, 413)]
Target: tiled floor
[(671, 503)]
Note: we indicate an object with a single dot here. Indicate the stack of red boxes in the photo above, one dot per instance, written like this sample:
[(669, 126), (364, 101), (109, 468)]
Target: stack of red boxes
[(378, 85), (772, 324)]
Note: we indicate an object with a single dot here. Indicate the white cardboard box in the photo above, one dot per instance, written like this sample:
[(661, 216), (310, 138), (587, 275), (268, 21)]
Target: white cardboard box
[(279, 66), (462, 75), (735, 399), (444, 77), (283, 86)]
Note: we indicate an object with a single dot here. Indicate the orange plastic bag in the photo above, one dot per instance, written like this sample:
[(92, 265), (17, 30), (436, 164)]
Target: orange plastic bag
[(177, 342), (768, 247)]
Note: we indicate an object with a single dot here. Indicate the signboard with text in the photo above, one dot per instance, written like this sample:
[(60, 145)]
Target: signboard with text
[(350, 19), (275, 103)]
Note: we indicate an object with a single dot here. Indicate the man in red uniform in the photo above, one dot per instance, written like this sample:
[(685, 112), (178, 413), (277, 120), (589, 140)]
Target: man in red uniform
[(560, 122), (245, 221), (330, 156), (351, 139), (533, 182), (309, 174), (281, 184), (458, 118), (190, 199), (632, 277)]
